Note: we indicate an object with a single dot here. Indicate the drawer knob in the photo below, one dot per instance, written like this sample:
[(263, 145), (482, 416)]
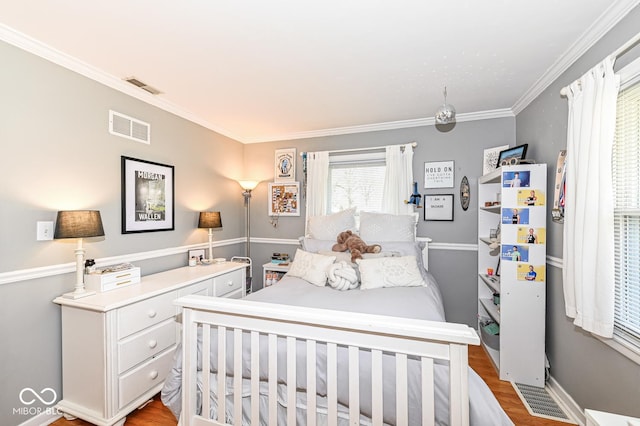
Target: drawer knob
[(153, 375), (151, 313), (229, 283), (153, 343)]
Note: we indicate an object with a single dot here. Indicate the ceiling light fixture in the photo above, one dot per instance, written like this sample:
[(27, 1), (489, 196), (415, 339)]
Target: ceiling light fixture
[(446, 113)]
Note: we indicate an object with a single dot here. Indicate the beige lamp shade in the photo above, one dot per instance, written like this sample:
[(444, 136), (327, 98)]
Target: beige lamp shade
[(210, 220), (78, 224), (248, 185)]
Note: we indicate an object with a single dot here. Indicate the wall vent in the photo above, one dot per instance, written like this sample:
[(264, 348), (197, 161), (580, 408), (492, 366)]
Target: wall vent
[(129, 127), (142, 85)]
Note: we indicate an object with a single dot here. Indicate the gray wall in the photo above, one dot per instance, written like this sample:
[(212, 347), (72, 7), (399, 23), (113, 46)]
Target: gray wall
[(595, 375), (56, 153), (455, 269)]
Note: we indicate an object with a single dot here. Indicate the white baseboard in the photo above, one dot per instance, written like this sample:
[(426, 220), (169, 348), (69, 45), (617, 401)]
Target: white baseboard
[(42, 419), (563, 398)]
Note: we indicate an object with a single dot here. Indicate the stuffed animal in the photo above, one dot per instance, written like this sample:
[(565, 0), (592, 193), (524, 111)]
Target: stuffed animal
[(347, 241)]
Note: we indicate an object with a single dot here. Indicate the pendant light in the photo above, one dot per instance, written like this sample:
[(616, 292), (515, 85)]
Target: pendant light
[(446, 113)]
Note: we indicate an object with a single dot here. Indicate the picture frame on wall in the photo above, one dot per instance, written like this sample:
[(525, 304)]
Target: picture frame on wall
[(438, 207), (148, 196), (438, 174), (284, 199), (285, 165)]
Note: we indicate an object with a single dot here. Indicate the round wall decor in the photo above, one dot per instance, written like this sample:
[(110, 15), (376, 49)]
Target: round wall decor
[(465, 193)]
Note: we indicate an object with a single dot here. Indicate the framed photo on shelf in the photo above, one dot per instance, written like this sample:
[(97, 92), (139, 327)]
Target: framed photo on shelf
[(490, 159), (284, 199), (511, 156), (285, 165), (147, 196), (438, 174), (438, 207)]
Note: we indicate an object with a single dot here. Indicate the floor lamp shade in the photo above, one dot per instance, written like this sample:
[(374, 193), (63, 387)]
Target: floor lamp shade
[(78, 224)]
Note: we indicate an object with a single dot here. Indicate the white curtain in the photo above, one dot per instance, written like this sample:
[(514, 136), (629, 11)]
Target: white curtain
[(588, 273), (398, 179), (317, 184)]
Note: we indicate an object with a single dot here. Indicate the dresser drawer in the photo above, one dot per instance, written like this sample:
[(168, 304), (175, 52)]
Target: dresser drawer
[(143, 314), (138, 347), (228, 282), (203, 288), (142, 379)]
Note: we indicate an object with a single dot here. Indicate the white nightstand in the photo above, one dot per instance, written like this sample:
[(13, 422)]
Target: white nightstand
[(273, 272)]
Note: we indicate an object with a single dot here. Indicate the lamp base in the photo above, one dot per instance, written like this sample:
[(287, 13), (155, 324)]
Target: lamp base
[(78, 295)]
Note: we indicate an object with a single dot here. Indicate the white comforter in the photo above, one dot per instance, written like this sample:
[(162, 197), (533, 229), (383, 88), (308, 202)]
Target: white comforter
[(407, 302)]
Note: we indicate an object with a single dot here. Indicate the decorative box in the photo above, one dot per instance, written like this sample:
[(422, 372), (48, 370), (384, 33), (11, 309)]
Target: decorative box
[(107, 281)]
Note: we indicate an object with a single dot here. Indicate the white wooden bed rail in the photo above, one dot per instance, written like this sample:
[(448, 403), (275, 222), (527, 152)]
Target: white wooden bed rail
[(427, 340)]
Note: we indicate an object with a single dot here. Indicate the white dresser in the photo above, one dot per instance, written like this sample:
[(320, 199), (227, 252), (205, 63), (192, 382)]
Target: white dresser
[(118, 346)]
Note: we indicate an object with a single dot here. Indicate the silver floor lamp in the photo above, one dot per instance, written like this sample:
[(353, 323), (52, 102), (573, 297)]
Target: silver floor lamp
[(247, 187)]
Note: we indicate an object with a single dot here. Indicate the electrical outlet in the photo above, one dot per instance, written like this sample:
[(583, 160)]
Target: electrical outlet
[(44, 231)]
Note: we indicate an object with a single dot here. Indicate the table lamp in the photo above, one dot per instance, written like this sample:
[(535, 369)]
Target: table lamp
[(78, 224), (210, 220)]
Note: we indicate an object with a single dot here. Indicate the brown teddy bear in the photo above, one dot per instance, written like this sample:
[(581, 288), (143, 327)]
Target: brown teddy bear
[(347, 241)]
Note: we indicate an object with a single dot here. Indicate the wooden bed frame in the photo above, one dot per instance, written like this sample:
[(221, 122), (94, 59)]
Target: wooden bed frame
[(427, 340)]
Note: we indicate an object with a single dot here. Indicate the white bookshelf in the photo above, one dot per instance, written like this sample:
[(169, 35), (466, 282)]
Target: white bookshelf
[(519, 356)]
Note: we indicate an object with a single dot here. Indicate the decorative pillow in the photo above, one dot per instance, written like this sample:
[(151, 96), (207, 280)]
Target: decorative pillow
[(383, 227), (328, 227), (313, 245), (390, 272), (311, 267)]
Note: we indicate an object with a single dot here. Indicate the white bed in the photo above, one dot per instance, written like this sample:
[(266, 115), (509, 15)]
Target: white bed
[(376, 356)]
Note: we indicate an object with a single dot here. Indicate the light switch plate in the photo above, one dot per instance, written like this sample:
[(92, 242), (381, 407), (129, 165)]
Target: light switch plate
[(44, 231)]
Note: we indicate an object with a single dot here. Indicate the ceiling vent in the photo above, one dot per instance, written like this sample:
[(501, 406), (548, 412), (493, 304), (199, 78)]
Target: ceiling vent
[(142, 85), (128, 127)]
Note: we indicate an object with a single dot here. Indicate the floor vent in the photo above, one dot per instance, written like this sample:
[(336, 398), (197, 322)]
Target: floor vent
[(540, 403), (128, 127)]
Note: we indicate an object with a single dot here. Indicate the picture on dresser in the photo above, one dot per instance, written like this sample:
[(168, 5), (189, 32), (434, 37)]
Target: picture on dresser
[(147, 196)]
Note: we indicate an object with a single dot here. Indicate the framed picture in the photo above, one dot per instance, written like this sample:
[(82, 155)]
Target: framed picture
[(438, 207), (285, 165), (284, 199), (510, 156), (490, 158), (438, 174), (147, 196)]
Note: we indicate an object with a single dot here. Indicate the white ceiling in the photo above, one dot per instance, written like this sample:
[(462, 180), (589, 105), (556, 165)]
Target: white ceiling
[(259, 70)]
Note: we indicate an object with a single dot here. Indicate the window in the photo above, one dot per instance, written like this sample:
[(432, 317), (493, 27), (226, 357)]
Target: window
[(356, 180), (626, 182)]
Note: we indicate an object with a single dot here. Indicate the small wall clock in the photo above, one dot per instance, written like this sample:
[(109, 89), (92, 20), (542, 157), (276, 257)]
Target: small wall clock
[(465, 193)]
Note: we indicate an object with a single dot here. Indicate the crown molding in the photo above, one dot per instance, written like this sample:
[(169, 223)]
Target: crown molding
[(586, 41), (391, 125), (31, 45)]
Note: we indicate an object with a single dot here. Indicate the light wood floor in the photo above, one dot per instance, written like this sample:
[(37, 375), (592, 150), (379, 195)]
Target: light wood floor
[(157, 414)]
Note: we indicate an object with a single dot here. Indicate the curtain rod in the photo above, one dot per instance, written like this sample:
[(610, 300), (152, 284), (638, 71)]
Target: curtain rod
[(617, 53), (413, 144)]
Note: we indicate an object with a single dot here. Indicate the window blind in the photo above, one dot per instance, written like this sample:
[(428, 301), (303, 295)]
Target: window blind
[(626, 182)]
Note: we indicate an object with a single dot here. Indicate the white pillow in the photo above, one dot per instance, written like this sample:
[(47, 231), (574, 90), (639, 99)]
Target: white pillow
[(389, 272), (311, 267), (316, 246), (383, 227), (328, 227)]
